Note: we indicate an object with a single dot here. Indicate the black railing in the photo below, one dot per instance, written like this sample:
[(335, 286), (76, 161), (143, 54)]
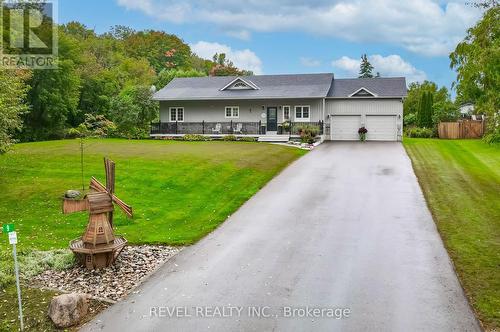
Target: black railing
[(231, 127), (210, 128)]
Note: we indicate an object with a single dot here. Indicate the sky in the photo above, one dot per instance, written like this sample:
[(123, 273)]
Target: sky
[(410, 38)]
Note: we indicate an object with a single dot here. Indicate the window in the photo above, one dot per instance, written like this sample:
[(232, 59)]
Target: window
[(232, 112), (302, 113), (286, 113), (176, 114), (100, 230)]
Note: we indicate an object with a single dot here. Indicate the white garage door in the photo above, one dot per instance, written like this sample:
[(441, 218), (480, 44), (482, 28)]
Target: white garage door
[(381, 127), (345, 127)]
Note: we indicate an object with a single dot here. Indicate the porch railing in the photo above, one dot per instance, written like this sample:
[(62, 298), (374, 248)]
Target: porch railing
[(230, 127)]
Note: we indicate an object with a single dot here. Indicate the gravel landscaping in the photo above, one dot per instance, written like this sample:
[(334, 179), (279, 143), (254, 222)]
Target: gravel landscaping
[(112, 283)]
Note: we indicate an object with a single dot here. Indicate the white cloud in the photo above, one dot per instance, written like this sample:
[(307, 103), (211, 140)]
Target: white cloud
[(391, 65), (240, 34), (309, 62), (243, 59), (429, 27)]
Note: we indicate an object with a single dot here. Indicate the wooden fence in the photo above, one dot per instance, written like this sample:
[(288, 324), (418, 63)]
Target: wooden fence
[(461, 129)]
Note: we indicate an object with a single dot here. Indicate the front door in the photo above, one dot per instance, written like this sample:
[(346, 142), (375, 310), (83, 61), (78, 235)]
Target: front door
[(272, 119)]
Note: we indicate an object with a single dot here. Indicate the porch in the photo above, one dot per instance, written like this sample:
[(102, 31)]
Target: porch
[(237, 128)]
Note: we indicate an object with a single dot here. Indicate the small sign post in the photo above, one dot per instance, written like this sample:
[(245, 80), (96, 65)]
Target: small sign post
[(9, 228)]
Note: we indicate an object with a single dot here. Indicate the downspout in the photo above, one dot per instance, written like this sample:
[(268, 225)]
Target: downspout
[(324, 118)]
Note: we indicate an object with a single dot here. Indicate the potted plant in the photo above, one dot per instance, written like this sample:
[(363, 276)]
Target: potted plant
[(286, 126), (362, 133)]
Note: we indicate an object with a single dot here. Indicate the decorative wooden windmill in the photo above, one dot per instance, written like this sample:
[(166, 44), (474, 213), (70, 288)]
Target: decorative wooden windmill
[(98, 247)]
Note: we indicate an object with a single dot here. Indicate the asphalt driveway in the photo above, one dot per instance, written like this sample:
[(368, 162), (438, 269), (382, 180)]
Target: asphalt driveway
[(344, 230)]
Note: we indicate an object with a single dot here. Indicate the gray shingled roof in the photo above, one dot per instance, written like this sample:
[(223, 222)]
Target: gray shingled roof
[(280, 86), (382, 86), (270, 86)]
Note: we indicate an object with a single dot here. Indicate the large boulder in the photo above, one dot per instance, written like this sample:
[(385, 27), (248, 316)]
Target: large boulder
[(68, 309)]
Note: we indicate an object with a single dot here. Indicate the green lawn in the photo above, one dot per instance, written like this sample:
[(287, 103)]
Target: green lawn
[(461, 182), (179, 191)]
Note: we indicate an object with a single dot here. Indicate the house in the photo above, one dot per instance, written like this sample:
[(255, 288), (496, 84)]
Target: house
[(466, 109), (273, 107)]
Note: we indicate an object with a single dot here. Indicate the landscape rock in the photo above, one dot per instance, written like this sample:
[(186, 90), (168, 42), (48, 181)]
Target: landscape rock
[(68, 309), (111, 283), (72, 194)]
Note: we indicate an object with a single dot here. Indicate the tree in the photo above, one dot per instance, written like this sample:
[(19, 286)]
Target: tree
[(365, 68), (225, 67), (162, 50), (477, 62), (12, 103), (424, 115), (415, 90), (167, 75), (133, 110), (54, 94), (444, 112)]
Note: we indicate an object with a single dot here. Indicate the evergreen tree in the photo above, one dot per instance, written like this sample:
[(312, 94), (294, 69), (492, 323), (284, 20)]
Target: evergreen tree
[(429, 111), (424, 115), (365, 68)]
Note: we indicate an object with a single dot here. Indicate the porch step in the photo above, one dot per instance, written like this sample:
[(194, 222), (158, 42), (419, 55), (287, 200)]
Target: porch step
[(274, 138)]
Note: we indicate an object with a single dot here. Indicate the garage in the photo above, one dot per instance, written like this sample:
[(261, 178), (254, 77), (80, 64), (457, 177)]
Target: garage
[(345, 127), (381, 127)]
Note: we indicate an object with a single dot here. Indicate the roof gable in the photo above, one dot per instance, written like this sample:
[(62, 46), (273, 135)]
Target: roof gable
[(363, 92), (240, 84)]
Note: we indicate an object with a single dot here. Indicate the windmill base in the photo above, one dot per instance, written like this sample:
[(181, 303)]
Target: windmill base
[(100, 256)]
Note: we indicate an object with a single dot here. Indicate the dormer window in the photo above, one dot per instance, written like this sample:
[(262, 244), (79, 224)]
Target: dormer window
[(240, 84)]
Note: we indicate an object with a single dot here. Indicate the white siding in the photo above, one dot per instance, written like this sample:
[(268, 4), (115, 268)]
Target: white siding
[(364, 106), (250, 110)]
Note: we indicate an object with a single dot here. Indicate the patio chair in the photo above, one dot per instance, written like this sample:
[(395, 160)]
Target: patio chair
[(238, 129), (217, 129)]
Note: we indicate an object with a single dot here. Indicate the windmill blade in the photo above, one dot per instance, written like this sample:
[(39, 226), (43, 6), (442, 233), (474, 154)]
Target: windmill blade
[(96, 185), (109, 166), (125, 207)]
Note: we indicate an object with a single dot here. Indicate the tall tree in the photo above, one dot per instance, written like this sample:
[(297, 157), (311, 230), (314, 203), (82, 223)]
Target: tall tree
[(12, 103), (415, 90), (424, 114), (477, 62), (225, 67), (54, 94), (365, 68)]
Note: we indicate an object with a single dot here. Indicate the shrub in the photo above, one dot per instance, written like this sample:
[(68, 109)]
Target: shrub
[(35, 262), (417, 132), (308, 133), (492, 138), (195, 137), (410, 120), (248, 139), (99, 126), (229, 138)]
